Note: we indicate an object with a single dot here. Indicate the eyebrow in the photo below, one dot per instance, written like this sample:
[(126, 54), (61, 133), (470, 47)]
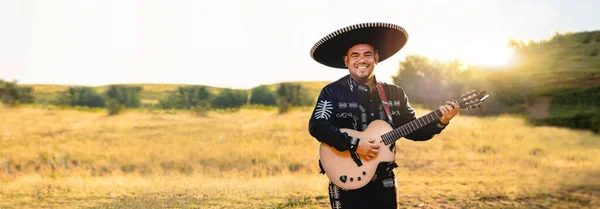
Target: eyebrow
[(367, 52)]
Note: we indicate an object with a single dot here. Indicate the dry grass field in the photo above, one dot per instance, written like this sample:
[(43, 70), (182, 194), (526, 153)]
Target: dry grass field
[(256, 158)]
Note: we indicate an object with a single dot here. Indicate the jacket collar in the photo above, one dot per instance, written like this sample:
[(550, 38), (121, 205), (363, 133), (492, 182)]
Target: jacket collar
[(355, 85)]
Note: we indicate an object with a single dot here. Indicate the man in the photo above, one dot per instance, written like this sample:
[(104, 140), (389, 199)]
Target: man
[(354, 101)]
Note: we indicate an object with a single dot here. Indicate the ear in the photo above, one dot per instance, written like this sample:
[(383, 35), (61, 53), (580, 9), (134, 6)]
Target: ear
[(346, 60), (376, 57)]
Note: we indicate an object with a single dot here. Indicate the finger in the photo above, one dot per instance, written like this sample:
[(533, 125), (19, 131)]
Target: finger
[(375, 146), (371, 155), (448, 107), (374, 151), (442, 109), (371, 140)]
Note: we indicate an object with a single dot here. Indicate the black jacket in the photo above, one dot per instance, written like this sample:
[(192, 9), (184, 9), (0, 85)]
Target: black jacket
[(346, 103)]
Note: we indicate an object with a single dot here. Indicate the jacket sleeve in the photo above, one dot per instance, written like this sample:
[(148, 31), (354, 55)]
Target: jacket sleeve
[(322, 124), (407, 114)]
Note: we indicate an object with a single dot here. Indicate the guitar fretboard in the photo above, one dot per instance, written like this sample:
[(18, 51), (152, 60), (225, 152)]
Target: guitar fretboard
[(409, 127)]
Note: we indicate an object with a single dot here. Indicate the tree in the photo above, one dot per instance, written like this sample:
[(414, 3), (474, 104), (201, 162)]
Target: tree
[(187, 97), (11, 94), (230, 98), (429, 82), (119, 97), (263, 95), (290, 94), (82, 96)]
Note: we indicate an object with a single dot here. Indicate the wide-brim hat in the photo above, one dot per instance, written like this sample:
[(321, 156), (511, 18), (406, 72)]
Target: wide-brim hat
[(387, 39)]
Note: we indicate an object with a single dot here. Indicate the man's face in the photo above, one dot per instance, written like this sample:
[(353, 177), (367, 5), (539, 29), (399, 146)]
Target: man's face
[(360, 61)]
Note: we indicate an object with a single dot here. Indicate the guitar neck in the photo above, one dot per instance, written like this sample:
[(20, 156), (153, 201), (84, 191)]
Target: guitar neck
[(410, 127)]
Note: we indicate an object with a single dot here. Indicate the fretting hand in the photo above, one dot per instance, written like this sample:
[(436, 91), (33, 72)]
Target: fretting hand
[(448, 112)]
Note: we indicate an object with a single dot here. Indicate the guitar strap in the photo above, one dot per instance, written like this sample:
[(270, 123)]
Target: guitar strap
[(386, 104)]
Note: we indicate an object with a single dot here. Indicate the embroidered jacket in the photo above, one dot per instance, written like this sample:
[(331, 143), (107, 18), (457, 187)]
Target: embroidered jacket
[(346, 103)]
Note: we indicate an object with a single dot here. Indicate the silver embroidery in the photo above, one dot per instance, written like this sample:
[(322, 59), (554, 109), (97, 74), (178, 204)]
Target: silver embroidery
[(323, 110), (397, 103), (362, 109), (336, 192), (353, 105), (337, 204), (344, 115), (396, 113), (342, 105), (389, 182)]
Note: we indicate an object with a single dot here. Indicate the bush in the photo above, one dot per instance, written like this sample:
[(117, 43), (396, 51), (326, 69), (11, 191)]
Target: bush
[(81, 96), (127, 96), (262, 95), (589, 121), (230, 98), (290, 95), (114, 107), (201, 109), (11, 94), (119, 97), (186, 98)]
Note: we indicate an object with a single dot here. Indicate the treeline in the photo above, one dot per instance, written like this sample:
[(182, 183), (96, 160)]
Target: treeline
[(199, 99)]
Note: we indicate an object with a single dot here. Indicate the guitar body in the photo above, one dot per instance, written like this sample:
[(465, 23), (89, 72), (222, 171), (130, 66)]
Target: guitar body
[(343, 171)]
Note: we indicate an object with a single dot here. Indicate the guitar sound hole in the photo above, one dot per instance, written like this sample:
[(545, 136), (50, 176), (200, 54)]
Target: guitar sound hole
[(351, 179), (364, 173), (358, 178)]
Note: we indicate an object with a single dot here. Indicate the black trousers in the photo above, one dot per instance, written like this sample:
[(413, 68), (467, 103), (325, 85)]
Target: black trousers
[(379, 193)]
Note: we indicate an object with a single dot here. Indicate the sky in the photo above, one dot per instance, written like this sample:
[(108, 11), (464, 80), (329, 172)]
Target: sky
[(245, 43)]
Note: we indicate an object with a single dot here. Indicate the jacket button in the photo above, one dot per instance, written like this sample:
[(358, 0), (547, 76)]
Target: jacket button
[(372, 114)]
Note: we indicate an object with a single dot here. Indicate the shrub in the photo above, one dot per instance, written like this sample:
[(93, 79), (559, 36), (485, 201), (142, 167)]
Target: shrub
[(11, 94), (119, 97), (186, 98), (230, 98), (262, 95), (81, 96)]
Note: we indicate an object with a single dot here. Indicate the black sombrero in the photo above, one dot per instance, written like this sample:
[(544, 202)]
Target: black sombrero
[(387, 38)]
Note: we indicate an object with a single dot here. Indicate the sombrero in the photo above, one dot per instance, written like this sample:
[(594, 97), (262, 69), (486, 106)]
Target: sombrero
[(387, 38)]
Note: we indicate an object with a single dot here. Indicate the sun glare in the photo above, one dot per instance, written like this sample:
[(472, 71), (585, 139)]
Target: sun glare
[(484, 56)]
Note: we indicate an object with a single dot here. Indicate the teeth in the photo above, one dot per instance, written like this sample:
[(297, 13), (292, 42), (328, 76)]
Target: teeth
[(362, 67)]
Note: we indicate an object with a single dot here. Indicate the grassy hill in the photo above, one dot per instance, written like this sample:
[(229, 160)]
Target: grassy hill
[(565, 62), (560, 79)]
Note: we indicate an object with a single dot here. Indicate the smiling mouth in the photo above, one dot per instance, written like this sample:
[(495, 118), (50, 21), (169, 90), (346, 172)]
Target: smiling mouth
[(361, 67)]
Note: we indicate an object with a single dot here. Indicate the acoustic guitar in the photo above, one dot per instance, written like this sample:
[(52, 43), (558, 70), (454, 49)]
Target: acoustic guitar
[(353, 173)]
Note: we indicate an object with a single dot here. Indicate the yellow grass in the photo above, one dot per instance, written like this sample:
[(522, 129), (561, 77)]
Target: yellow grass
[(62, 158)]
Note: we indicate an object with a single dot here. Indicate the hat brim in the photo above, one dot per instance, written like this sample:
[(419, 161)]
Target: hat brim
[(386, 38)]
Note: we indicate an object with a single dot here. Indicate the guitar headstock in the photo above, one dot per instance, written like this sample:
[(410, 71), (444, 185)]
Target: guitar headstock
[(472, 99)]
